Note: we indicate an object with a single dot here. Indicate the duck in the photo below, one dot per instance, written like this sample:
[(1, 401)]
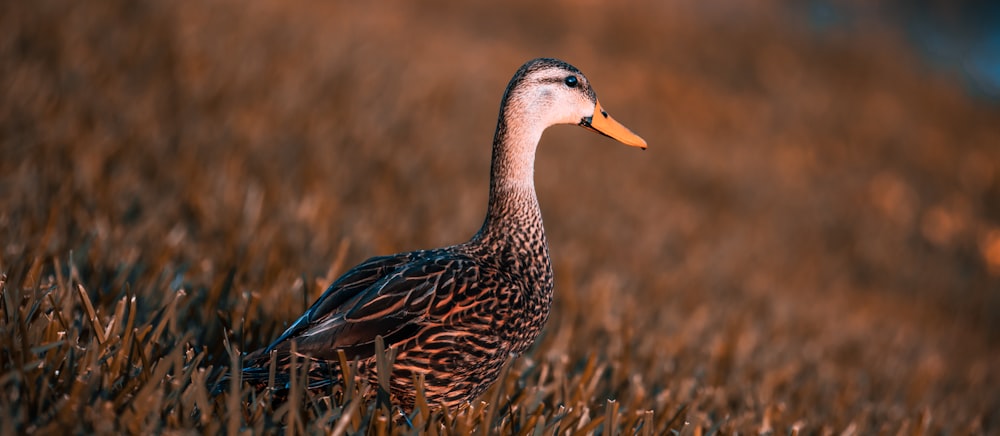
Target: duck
[(455, 315)]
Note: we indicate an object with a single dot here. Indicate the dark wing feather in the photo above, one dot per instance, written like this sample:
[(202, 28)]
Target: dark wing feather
[(395, 305), (344, 289)]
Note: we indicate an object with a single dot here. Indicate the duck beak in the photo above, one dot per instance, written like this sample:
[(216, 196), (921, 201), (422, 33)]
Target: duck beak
[(602, 123)]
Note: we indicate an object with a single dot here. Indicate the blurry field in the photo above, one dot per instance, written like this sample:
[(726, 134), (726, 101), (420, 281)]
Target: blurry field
[(810, 244)]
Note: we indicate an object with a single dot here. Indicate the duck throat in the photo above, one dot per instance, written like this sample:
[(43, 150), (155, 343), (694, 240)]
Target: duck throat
[(513, 203)]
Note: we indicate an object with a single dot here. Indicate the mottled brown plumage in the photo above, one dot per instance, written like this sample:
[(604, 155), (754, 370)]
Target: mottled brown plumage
[(455, 314)]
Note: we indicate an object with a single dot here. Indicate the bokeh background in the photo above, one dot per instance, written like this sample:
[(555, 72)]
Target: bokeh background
[(812, 239)]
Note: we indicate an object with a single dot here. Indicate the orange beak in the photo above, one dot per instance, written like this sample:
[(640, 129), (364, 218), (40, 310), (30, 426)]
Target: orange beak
[(602, 123)]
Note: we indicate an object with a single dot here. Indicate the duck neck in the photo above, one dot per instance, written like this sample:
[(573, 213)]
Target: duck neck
[(513, 206)]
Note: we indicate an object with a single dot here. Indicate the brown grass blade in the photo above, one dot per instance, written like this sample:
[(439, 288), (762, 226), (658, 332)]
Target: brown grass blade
[(95, 322)]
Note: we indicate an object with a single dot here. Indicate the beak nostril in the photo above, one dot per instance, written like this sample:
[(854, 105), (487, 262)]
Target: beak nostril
[(604, 113)]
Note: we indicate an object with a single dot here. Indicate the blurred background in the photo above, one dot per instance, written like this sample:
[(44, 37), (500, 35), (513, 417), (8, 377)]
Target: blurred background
[(816, 222)]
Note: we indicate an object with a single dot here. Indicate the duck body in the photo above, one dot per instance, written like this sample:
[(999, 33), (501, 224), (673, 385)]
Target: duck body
[(454, 314)]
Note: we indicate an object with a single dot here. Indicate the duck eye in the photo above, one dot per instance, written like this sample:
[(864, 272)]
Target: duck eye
[(571, 81)]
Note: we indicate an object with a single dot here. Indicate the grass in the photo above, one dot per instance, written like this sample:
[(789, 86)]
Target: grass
[(809, 246)]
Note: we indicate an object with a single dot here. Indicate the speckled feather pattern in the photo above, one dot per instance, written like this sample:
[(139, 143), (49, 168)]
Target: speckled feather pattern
[(454, 314)]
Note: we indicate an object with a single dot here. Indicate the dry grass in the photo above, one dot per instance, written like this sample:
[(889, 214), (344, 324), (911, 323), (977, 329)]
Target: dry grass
[(811, 243)]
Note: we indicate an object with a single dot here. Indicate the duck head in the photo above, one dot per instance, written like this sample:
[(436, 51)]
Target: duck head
[(546, 92)]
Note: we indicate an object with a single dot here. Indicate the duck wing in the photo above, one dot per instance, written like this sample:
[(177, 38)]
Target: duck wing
[(346, 288), (392, 296)]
